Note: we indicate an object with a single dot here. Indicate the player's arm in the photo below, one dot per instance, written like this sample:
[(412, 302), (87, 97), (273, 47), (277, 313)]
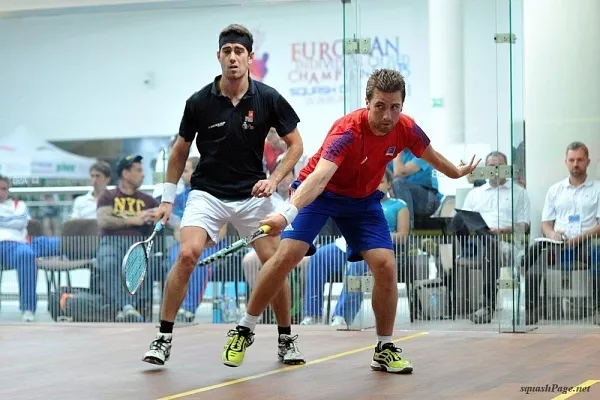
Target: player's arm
[(441, 163), (314, 184), (291, 157), (176, 164), (420, 145), (180, 152)]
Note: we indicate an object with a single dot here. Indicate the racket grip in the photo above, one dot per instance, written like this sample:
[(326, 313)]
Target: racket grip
[(158, 226), (265, 228)]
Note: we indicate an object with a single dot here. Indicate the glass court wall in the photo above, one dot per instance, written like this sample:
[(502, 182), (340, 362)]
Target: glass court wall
[(470, 85)]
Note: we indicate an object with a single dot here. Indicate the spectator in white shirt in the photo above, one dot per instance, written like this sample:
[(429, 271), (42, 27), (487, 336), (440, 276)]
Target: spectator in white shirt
[(495, 201), (85, 206), (572, 207), (15, 252), (571, 214)]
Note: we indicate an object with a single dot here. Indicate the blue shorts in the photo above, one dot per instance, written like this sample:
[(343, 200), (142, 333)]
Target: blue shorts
[(361, 222)]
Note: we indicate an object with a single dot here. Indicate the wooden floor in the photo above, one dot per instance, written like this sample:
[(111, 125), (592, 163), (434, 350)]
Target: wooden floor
[(103, 362)]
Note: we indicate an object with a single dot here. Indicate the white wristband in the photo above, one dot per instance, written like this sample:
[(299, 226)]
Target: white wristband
[(289, 212), (169, 192)]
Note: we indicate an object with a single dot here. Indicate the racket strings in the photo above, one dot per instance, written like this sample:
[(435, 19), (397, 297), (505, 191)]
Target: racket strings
[(135, 267)]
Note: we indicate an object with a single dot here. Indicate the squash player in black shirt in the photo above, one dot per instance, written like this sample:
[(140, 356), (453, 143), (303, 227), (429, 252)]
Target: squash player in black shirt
[(230, 119)]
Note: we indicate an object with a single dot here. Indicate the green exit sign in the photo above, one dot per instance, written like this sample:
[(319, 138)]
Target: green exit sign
[(437, 102)]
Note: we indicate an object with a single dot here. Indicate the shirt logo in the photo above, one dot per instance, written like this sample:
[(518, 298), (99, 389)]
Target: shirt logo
[(390, 151), (248, 120), (217, 125)]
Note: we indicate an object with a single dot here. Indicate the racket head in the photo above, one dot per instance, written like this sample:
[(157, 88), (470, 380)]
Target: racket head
[(134, 267)]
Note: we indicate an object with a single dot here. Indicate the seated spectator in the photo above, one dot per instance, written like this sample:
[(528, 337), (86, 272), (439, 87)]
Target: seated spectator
[(415, 183), (51, 215), (125, 216), (331, 258), (85, 206), (495, 201), (15, 252), (571, 214)]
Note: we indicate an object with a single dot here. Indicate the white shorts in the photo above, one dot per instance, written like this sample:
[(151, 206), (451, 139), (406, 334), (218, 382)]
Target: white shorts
[(205, 211)]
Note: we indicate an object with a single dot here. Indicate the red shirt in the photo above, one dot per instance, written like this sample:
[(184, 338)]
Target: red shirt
[(361, 156)]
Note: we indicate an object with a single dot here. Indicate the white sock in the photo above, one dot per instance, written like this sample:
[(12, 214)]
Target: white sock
[(384, 339), (249, 321)]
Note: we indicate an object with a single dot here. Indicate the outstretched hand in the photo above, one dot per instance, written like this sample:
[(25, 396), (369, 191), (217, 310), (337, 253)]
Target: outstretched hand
[(466, 169)]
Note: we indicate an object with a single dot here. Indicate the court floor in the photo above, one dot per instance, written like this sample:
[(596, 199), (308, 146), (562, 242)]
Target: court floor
[(104, 362)]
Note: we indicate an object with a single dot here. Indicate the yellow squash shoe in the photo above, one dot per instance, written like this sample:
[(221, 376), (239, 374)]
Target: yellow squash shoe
[(235, 348), (387, 358)]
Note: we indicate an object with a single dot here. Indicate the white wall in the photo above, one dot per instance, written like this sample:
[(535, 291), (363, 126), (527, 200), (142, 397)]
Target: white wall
[(563, 101), (82, 76)]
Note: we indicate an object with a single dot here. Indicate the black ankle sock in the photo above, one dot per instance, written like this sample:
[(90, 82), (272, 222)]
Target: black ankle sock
[(166, 326), (284, 330)]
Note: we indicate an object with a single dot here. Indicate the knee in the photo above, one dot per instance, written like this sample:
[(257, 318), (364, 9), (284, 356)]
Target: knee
[(188, 257), (286, 259), (385, 273)]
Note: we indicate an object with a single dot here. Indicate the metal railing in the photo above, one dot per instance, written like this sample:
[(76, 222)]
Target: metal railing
[(490, 282)]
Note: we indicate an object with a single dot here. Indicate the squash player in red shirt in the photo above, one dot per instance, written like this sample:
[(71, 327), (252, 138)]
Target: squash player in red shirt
[(340, 181)]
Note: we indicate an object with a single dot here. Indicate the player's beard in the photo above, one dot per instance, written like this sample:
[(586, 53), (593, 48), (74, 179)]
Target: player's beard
[(384, 128)]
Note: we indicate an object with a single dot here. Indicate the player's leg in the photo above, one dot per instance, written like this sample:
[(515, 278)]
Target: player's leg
[(296, 242), (287, 350), (385, 299), (368, 237), (202, 219), (248, 215)]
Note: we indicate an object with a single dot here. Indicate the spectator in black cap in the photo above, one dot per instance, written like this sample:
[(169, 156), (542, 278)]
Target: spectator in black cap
[(125, 216)]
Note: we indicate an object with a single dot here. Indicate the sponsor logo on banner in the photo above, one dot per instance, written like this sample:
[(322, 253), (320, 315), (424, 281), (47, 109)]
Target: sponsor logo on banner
[(317, 72), (258, 67)]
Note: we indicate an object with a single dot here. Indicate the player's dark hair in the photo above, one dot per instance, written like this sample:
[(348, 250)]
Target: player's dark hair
[(574, 146), (5, 179), (239, 32), (496, 154), (101, 166), (387, 81)]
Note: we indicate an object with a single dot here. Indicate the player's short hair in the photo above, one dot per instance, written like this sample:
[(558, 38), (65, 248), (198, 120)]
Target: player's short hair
[(574, 146), (240, 31), (387, 81), (194, 161), (103, 167), (496, 154), (5, 179)]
